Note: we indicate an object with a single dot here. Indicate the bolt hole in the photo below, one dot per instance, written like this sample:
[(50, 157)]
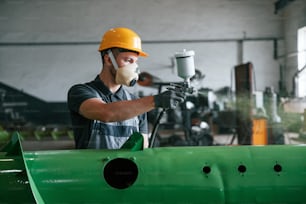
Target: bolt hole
[(242, 168), (277, 168), (206, 169)]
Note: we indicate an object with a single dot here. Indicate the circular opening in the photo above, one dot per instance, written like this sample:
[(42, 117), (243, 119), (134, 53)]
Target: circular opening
[(120, 173), (241, 168), (206, 169), (277, 168)]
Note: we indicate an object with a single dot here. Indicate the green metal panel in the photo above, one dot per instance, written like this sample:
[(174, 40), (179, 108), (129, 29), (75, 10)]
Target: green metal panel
[(274, 174), (14, 184), (221, 174)]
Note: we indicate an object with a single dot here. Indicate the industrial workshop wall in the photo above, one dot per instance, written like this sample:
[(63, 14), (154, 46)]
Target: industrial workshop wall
[(46, 46), (295, 18)]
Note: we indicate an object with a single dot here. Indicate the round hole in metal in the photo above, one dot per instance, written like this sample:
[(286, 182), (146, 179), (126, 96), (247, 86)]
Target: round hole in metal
[(277, 168), (206, 169), (120, 173), (242, 168)]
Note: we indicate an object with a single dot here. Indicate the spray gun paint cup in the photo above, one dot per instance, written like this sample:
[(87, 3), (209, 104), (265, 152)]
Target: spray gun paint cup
[(185, 64)]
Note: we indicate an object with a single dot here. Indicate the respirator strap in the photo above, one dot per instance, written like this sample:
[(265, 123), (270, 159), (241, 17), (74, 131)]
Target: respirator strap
[(112, 57)]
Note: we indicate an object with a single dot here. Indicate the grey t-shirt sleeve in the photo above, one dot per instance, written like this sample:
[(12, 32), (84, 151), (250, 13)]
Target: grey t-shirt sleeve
[(77, 94)]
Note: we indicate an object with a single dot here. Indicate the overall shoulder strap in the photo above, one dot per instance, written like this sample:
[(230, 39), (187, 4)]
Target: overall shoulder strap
[(128, 95)]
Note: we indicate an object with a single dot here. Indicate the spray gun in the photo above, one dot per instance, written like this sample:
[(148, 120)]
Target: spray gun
[(186, 70)]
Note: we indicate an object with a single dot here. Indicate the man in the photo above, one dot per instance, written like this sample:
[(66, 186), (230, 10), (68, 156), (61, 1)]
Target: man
[(103, 113)]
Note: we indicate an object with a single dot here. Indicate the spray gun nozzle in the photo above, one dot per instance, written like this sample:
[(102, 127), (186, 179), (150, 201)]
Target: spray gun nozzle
[(182, 87)]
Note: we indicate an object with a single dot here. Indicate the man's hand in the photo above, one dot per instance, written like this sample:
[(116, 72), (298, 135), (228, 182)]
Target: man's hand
[(169, 99)]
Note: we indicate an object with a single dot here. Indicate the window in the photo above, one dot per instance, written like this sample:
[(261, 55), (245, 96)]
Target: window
[(301, 85)]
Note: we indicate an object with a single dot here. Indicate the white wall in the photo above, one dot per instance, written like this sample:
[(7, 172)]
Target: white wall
[(294, 18), (48, 70)]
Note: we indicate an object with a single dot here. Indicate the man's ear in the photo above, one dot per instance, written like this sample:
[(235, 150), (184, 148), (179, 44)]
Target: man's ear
[(107, 60)]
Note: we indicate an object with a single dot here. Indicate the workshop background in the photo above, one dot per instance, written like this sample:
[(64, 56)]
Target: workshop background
[(47, 46)]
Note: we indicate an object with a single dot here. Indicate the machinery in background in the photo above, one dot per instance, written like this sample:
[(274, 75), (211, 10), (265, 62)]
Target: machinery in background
[(264, 119), (244, 86), (19, 108), (32, 116), (187, 125), (245, 114), (275, 124)]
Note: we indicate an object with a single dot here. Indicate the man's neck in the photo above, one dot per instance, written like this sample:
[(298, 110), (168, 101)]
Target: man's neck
[(109, 81)]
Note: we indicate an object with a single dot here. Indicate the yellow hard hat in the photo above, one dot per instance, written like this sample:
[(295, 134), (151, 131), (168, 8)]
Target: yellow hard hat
[(122, 38)]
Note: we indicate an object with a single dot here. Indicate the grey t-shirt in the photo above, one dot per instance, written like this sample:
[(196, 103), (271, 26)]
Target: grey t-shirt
[(96, 134)]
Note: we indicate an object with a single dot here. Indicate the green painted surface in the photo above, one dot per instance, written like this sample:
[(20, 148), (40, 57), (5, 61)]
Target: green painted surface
[(222, 174), (14, 185)]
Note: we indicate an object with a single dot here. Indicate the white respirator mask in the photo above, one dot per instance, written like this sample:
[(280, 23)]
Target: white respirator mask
[(126, 75)]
